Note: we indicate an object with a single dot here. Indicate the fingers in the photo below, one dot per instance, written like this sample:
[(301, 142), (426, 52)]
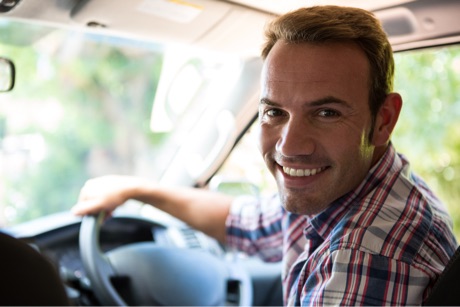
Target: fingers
[(105, 194), (98, 194), (91, 206)]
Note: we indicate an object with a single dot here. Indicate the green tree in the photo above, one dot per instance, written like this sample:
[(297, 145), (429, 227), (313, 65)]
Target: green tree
[(104, 98), (428, 131)]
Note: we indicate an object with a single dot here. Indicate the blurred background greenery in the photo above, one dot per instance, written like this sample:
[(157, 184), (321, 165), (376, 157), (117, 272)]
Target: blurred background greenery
[(428, 131), (81, 107)]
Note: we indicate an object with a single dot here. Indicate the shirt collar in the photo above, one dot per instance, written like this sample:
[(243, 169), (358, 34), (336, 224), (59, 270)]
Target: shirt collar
[(323, 223)]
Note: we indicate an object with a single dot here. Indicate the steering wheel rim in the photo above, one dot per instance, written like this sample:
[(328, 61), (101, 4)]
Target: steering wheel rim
[(96, 264), (203, 281)]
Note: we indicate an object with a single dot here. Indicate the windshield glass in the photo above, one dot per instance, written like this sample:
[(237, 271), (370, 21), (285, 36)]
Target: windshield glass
[(87, 104)]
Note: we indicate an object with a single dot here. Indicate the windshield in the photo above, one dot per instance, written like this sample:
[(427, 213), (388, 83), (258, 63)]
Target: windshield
[(87, 104)]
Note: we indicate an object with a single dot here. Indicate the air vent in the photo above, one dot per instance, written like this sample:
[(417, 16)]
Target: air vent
[(191, 239)]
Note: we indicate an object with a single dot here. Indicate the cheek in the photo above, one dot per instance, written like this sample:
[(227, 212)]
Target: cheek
[(348, 145), (354, 132), (266, 140), (355, 158)]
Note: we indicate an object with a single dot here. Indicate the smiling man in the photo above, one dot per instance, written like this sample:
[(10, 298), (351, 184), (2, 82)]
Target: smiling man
[(351, 223), (316, 122)]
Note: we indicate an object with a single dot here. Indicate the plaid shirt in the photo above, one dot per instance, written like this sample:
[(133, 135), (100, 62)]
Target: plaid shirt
[(384, 243)]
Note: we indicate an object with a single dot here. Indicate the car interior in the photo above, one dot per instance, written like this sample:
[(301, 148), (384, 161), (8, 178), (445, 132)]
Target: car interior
[(167, 90)]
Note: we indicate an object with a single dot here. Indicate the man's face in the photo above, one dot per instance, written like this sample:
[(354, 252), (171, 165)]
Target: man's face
[(315, 121)]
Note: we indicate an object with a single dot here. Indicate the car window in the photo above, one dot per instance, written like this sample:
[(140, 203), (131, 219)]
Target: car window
[(87, 104), (428, 131)]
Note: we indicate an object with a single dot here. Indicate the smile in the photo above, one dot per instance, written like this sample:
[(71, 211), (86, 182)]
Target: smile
[(302, 172)]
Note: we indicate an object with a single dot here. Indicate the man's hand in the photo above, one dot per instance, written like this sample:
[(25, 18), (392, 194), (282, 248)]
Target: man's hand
[(199, 208), (106, 193)]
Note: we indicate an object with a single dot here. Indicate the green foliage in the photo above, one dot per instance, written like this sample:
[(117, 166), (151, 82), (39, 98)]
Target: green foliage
[(101, 104), (428, 131)]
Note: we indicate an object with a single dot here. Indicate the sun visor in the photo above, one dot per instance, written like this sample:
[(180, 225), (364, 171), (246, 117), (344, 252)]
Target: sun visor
[(182, 21), (241, 31)]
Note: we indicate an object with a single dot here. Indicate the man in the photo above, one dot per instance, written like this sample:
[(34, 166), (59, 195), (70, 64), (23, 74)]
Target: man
[(355, 226)]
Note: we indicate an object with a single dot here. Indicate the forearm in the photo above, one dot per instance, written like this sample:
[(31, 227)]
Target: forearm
[(201, 209)]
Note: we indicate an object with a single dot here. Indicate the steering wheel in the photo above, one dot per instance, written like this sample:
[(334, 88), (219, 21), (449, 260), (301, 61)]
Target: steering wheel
[(158, 275)]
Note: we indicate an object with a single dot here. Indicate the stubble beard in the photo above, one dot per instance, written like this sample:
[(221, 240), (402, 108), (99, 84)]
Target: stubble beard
[(297, 202)]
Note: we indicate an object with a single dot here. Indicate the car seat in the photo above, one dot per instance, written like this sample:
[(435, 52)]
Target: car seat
[(27, 277), (446, 291)]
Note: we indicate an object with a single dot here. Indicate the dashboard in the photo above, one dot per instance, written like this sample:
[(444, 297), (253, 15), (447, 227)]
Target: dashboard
[(61, 246), (59, 242)]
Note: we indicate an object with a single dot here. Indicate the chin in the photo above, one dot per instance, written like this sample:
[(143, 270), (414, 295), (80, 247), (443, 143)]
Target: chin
[(302, 206)]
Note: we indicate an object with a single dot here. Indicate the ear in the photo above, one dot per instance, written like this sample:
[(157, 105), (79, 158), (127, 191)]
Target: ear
[(386, 119)]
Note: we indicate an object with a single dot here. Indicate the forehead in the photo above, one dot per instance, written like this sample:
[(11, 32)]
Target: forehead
[(315, 66)]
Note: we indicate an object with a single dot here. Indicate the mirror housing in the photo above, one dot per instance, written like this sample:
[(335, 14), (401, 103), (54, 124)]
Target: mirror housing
[(7, 74)]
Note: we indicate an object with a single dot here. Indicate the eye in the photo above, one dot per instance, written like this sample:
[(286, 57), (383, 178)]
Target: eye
[(271, 115), (273, 112), (328, 113)]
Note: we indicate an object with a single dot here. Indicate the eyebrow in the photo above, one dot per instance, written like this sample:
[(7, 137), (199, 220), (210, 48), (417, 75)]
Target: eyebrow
[(315, 103)]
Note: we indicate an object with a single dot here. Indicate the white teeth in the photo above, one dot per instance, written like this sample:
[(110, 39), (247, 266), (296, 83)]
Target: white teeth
[(302, 172)]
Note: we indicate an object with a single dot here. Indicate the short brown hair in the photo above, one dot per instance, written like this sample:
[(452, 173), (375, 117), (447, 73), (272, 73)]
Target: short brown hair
[(321, 24)]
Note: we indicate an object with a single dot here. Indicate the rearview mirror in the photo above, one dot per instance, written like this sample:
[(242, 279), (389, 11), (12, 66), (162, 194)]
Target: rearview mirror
[(6, 75)]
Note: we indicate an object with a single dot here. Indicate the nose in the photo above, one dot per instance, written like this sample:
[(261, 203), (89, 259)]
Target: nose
[(296, 139)]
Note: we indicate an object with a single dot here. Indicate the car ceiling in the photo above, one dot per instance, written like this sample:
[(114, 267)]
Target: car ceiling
[(236, 25), (283, 6)]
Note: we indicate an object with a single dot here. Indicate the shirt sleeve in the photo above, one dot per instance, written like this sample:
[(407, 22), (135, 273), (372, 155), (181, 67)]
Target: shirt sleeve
[(350, 277), (254, 227)]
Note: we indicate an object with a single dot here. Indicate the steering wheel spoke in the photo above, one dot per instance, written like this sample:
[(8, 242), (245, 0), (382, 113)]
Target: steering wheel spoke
[(159, 275)]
